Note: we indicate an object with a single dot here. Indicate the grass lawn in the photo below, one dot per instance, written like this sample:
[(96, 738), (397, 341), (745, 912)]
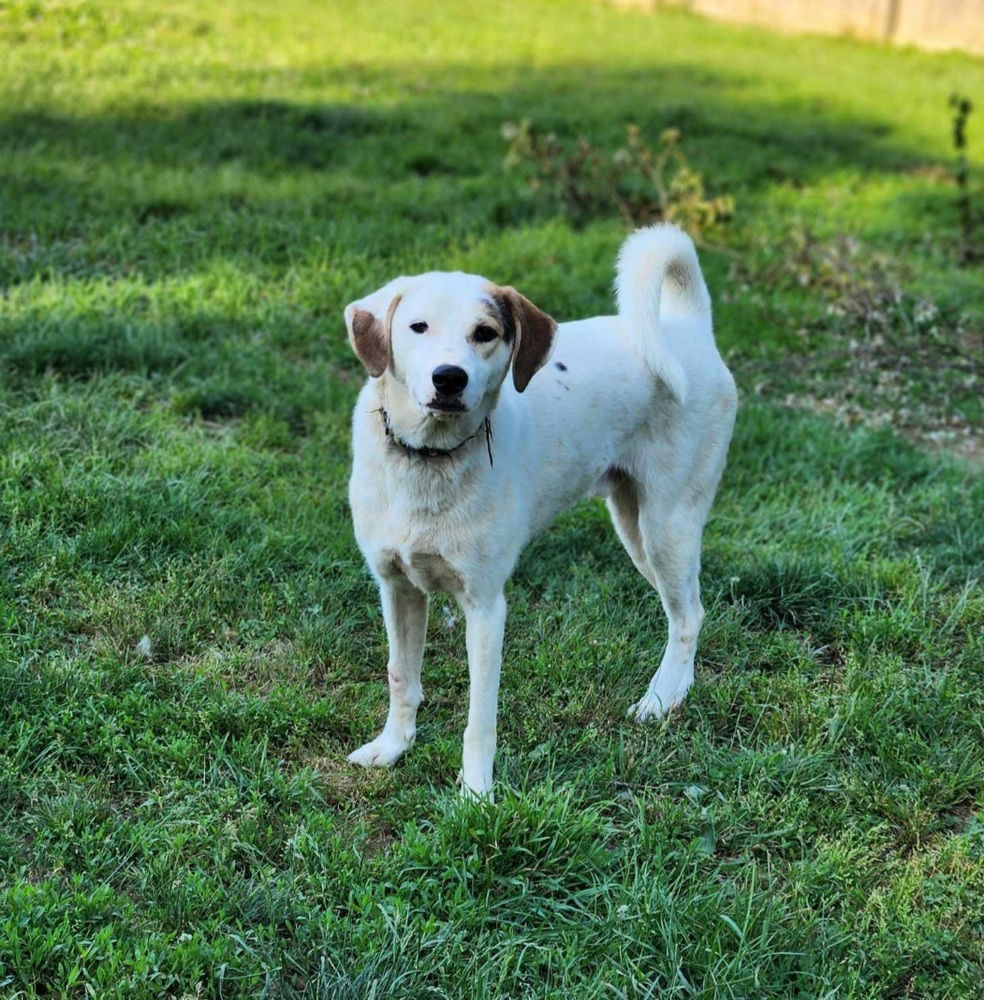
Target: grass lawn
[(189, 194)]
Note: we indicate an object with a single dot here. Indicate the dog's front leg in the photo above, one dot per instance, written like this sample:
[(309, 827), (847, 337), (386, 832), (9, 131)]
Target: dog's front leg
[(405, 614), (485, 620)]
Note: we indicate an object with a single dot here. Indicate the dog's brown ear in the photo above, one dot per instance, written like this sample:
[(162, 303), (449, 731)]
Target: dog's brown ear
[(534, 336), (369, 322), (369, 341)]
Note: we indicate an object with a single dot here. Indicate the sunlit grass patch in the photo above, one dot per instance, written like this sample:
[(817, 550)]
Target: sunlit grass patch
[(189, 644)]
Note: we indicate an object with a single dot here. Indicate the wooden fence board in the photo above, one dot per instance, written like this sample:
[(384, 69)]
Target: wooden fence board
[(931, 24)]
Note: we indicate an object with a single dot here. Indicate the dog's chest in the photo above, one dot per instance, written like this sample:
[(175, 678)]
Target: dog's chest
[(423, 549), (420, 533)]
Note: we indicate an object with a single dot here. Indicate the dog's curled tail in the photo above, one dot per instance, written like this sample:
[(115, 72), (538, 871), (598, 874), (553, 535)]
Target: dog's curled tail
[(658, 277)]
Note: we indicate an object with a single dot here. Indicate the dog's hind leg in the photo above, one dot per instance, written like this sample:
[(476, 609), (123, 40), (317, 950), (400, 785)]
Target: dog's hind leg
[(623, 506), (405, 615), (666, 551), (671, 543)]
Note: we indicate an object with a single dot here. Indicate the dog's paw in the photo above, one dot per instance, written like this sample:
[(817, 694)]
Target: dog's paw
[(475, 794), (656, 705), (381, 752)]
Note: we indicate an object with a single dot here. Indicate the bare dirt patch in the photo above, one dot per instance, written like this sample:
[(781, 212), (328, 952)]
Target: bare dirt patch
[(875, 354)]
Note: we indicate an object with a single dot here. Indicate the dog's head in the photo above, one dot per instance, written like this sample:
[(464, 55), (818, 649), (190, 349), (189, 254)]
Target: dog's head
[(449, 339)]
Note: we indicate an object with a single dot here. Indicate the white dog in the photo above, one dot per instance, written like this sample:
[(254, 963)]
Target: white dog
[(456, 467)]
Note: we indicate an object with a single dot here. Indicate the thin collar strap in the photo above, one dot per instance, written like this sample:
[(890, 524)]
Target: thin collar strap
[(434, 452)]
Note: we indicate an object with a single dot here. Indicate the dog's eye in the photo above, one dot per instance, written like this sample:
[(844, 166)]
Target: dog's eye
[(418, 327), (483, 334)]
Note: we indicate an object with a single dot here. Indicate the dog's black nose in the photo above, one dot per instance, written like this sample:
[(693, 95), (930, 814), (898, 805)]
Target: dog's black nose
[(449, 379)]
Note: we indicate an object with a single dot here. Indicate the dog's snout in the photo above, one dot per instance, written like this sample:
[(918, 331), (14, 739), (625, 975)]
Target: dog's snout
[(449, 379)]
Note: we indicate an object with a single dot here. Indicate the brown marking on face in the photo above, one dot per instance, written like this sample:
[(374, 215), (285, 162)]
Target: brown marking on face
[(534, 331), (503, 313), (371, 338)]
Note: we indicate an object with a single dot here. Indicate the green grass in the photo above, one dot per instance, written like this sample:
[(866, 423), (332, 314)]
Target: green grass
[(189, 194)]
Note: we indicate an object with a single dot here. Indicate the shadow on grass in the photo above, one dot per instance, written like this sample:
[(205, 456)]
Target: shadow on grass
[(154, 166)]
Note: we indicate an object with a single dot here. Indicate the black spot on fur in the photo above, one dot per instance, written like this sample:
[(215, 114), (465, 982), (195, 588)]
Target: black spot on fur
[(561, 366)]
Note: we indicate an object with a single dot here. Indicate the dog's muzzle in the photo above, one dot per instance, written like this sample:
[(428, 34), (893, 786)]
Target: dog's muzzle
[(450, 382)]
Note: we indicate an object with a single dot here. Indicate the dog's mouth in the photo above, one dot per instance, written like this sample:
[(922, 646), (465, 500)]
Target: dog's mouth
[(447, 405)]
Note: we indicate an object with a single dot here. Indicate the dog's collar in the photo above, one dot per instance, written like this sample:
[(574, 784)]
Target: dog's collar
[(434, 452)]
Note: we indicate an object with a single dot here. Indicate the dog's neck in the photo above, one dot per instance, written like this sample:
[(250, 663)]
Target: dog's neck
[(421, 435), (413, 452)]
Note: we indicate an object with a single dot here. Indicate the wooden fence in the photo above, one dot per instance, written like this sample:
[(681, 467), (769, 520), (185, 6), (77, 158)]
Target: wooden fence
[(930, 24)]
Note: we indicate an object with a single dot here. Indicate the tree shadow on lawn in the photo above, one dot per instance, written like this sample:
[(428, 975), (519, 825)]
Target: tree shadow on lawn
[(271, 135), (156, 165)]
